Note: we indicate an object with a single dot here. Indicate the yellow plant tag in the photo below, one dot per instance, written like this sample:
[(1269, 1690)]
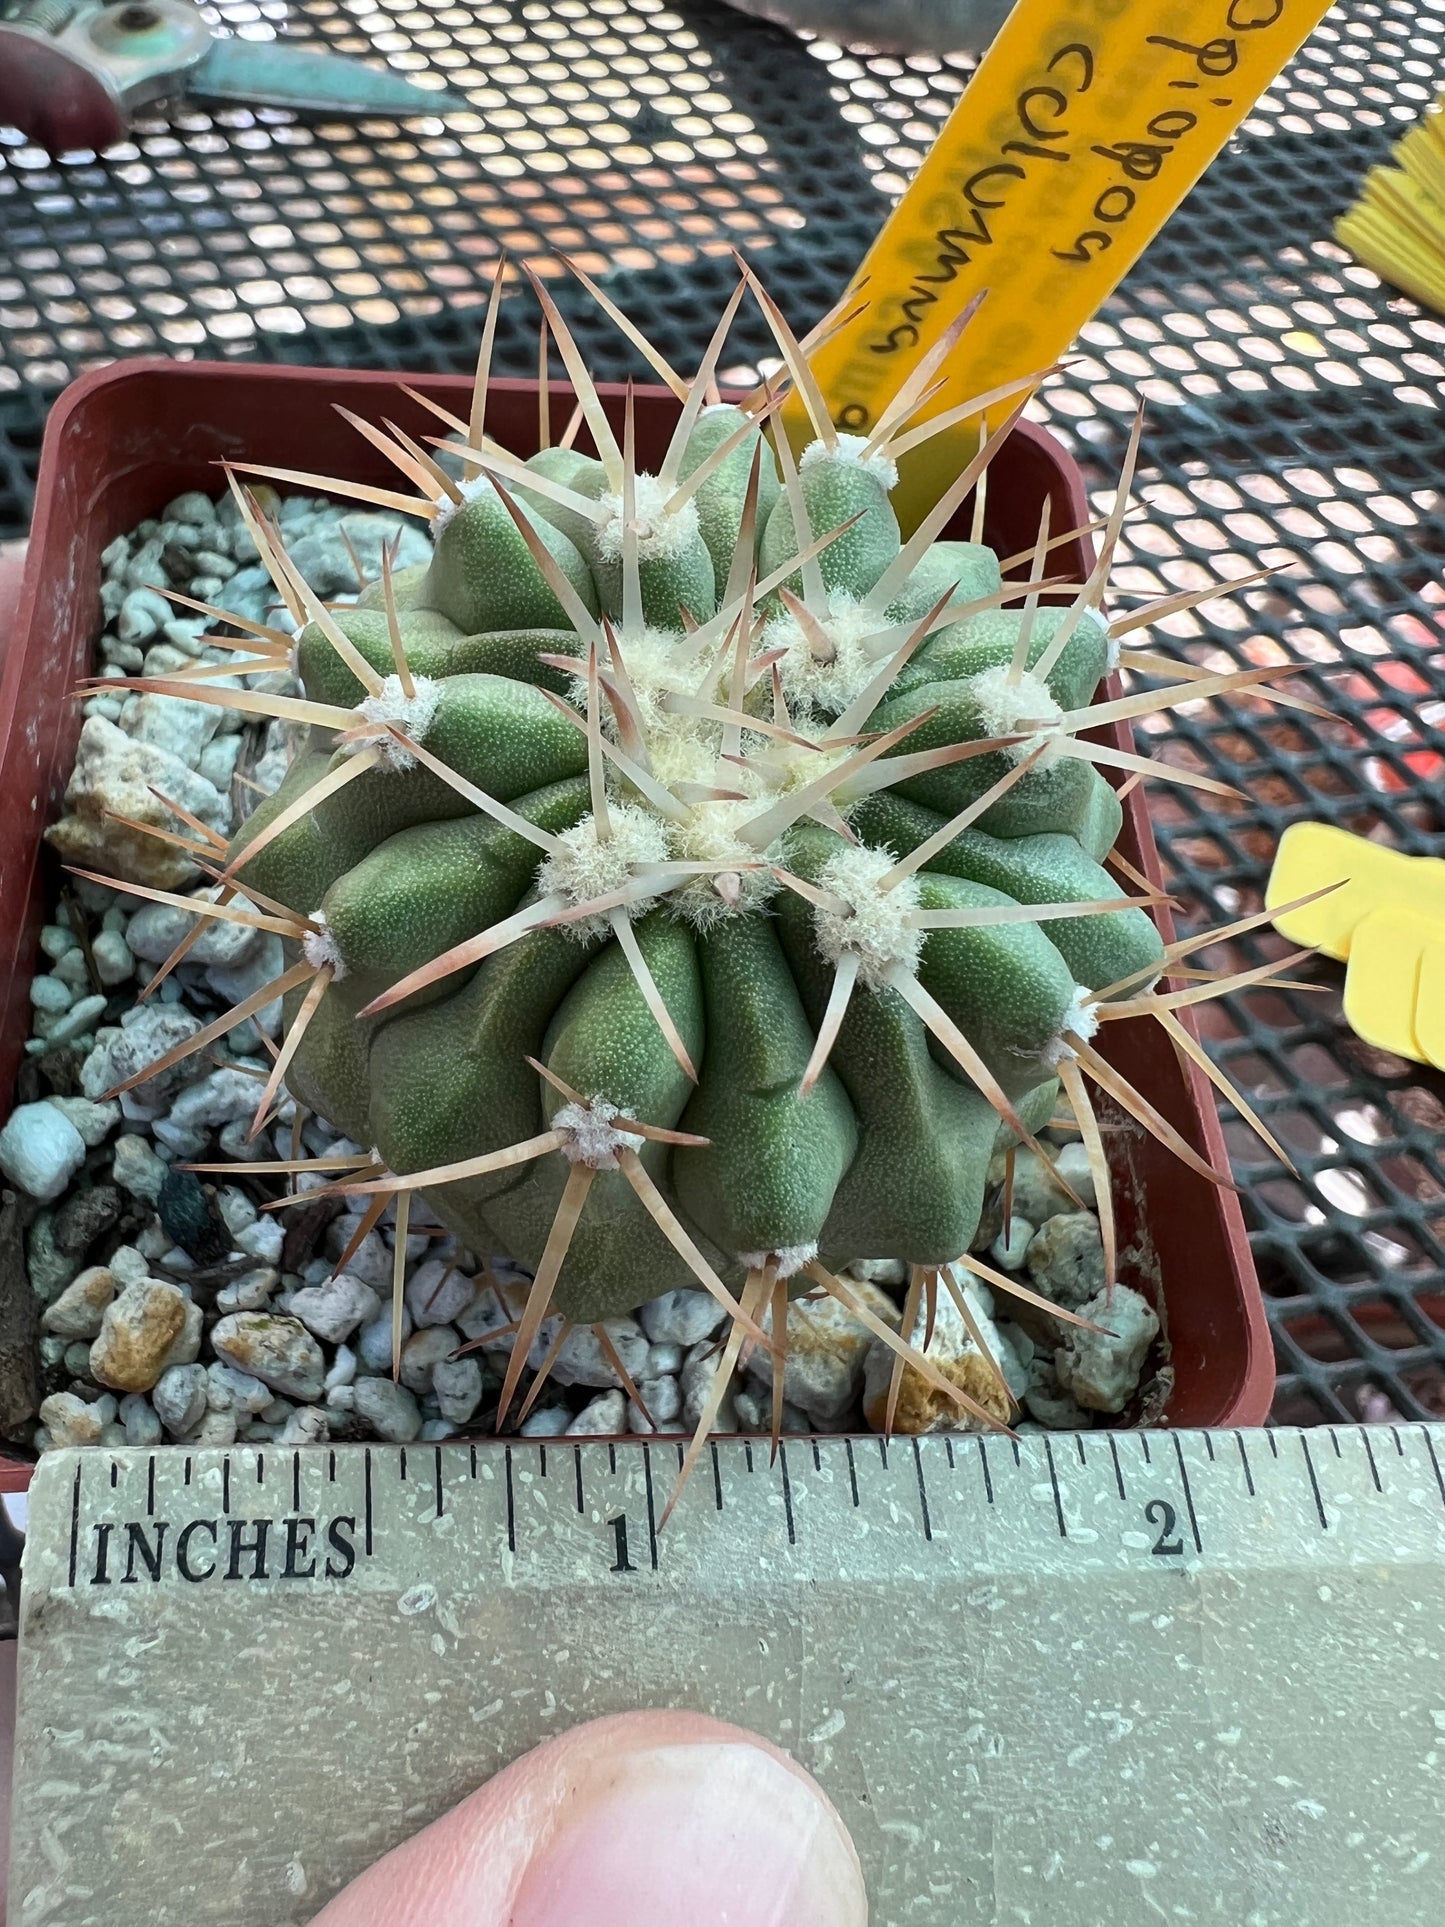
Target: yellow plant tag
[(1085, 126), (1430, 1003), (1386, 920), (1382, 984), (1312, 856)]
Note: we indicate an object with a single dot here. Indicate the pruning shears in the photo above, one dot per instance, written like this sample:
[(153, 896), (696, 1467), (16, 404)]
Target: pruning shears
[(73, 72)]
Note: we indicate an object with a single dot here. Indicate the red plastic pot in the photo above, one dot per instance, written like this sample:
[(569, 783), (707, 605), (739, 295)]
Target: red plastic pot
[(124, 441)]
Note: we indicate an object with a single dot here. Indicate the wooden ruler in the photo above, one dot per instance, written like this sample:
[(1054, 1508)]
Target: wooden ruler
[(1120, 1677), (1083, 129)]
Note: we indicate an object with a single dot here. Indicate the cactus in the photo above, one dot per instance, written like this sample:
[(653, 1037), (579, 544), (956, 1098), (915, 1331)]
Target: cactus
[(687, 879)]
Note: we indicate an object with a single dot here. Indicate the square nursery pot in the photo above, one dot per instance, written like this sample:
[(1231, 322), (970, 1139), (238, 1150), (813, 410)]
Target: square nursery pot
[(125, 440)]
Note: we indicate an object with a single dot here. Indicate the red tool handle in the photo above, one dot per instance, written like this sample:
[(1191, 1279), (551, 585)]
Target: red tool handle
[(52, 98)]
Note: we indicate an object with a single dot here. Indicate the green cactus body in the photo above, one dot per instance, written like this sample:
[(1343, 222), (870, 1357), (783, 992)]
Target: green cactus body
[(676, 573), (484, 577), (437, 883), (838, 485), (967, 568), (1099, 950), (1053, 796), (924, 1138), (721, 497), (434, 647), (639, 974), (986, 642), (407, 588), (451, 1081), (765, 1181)]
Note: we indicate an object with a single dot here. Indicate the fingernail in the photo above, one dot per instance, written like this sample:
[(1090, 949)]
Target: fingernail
[(690, 1836)]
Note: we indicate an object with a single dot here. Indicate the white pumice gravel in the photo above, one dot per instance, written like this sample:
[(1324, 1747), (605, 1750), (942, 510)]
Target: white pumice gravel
[(191, 1313)]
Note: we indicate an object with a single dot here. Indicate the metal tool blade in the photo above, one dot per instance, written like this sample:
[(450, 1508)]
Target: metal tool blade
[(277, 73)]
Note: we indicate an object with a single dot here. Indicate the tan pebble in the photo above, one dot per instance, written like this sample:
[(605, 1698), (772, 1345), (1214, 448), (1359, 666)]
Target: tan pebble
[(78, 1311), (923, 1408), (136, 1336)]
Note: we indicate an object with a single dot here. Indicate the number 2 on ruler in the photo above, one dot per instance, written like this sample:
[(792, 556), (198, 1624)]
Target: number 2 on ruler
[(1160, 1513)]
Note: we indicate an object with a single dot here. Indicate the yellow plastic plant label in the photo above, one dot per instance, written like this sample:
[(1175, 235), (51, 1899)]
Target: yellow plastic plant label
[(1312, 856), (1430, 1002), (1085, 126), (1382, 999)]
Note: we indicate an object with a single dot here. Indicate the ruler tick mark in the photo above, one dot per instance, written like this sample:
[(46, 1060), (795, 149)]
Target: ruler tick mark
[(1018, 1460), (331, 1468), (1335, 1442), (922, 1493), (1144, 1448), (474, 1461), (1054, 1482), (748, 1453), (1209, 1447), (1188, 1494), (1079, 1446), (1273, 1443), (1314, 1483), (114, 1472), (1369, 1454), (1244, 1461), (439, 1481), (1118, 1469), (542, 1459), (75, 1522), (260, 1468), (296, 1482), (511, 1506), (651, 1513), (852, 1470), (577, 1465), (952, 1461), (987, 1474), (1430, 1448), (1399, 1443), (226, 1489), (817, 1457), (188, 1470), (403, 1465), (612, 1458), (787, 1493), (883, 1452), (717, 1497), (150, 1488), (368, 1501)]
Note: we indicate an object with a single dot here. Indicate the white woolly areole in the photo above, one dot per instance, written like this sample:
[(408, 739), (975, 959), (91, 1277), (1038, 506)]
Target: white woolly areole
[(1009, 707), (412, 714), (1080, 1018), (848, 450), (826, 686), (590, 1136), (660, 537), (711, 835), (447, 508), (790, 1259), (320, 950), (874, 926), (657, 667), (582, 867)]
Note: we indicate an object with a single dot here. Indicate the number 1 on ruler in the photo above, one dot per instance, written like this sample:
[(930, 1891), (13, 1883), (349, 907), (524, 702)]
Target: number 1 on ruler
[(1084, 128)]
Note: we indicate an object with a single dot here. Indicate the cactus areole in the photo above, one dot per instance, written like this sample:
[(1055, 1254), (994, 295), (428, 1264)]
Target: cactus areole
[(687, 879)]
